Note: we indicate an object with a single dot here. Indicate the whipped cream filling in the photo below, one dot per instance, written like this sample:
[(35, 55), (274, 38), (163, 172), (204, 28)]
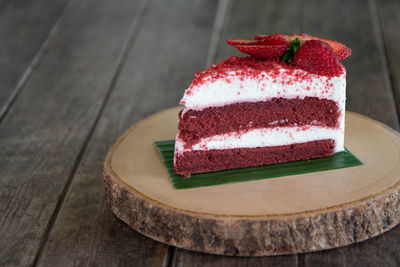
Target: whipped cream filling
[(277, 136), (239, 87)]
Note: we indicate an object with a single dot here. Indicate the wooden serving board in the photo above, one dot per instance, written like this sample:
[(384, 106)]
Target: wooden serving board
[(292, 214)]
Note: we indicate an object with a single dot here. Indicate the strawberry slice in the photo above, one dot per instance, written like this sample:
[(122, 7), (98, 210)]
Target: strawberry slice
[(341, 51), (261, 36), (318, 57), (274, 39), (264, 51), (235, 42), (270, 47)]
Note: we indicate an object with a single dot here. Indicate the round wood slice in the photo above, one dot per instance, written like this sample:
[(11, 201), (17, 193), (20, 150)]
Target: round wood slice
[(292, 214)]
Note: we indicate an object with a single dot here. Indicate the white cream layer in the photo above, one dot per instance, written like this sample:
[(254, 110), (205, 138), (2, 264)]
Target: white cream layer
[(278, 136), (238, 87)]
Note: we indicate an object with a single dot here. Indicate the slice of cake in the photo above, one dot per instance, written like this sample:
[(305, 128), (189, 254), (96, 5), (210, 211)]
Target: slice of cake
[(284, 102)]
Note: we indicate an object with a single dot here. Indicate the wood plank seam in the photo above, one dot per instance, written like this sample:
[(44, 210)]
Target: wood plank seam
[(377, 24), (299, 258), (47, 44), (169, 257), (221, 16), (385, 50), (300, 16), (219, 25), (3, 4), (126, 47)]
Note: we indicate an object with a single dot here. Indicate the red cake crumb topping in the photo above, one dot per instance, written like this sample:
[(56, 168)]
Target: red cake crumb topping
[(247, 66), (252, 68)]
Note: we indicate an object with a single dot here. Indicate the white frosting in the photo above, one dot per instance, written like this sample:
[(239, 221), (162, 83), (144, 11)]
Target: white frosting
[(265, 137), (244, 88)]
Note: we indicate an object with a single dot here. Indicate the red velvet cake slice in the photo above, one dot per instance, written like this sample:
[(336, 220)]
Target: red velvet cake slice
[(285, 102)]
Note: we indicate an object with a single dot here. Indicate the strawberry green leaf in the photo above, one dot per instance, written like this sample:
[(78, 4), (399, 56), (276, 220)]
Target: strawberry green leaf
[(291, 50)]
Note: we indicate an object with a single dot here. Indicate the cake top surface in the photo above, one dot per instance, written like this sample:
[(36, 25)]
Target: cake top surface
[(254, 68), (246, 66)]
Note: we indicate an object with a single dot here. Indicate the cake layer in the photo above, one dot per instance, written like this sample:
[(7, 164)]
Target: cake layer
[(215, 160), (277, 136), (250, 80), (277, 112)]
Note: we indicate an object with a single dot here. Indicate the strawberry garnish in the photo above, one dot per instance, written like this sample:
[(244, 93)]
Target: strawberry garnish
[(318, 57), (260, 36), (342, 51), (274, 39), (271, 47), (314, 54), (263, 51), (291, 50), (235, 42)]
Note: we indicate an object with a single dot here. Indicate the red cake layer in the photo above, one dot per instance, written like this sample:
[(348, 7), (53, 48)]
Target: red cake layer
[(215, 160), (277, 112)]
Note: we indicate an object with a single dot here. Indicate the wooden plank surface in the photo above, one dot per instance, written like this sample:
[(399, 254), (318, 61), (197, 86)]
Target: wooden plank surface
[(244, 19), (24, 27), (3, 4), (43, 133), (389, 11), (159, 67), (194, 259), (367, 93), (382, 250), (69, 103)]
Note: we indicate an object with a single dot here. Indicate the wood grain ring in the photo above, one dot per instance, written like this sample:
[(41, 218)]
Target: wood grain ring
[(253, 235)]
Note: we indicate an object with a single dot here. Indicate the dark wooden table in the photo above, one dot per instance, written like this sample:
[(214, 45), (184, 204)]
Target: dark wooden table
[(74, 74)]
